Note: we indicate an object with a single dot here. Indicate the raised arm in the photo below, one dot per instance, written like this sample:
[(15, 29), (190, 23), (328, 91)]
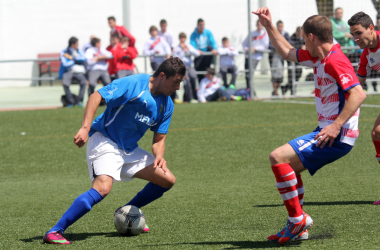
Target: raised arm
[(283, 47)]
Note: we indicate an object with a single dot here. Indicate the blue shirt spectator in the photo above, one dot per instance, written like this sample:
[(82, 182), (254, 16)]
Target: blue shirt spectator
[(202, 39)]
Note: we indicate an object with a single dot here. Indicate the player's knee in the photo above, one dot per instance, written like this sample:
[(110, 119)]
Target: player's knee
[(169, 181), (375, 134), (104, 190), (274, 157)]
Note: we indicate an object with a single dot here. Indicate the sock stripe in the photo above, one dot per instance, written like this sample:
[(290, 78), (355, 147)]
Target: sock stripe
[(289, 195), (301, 190), (301, 201), (285, 184)]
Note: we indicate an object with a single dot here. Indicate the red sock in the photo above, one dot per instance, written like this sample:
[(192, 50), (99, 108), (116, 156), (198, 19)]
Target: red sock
[(377, 147), (300, 189), (287, 186)]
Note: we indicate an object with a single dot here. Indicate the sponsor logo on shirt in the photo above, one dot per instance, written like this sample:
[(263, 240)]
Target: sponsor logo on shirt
[(345, 78), (111, 91), (145, 119)]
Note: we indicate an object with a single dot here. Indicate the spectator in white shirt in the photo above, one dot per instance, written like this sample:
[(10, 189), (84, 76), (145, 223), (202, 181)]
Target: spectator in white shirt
[(260, 42), (209, 89), (227, 62), (88, 45), (165, 33), (97, 65), (155, 46), (184, 51)]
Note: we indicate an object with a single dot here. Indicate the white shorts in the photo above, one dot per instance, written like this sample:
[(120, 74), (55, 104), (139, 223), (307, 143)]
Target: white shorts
[(105, 157)]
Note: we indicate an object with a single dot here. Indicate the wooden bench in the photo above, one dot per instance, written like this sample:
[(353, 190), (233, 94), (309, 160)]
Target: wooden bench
[(47, 67)]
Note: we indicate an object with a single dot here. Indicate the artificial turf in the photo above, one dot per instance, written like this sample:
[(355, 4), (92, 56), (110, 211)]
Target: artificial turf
[(225, 195)]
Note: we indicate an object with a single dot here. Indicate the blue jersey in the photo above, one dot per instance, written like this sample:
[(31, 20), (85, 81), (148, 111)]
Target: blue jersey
[(131, 111)]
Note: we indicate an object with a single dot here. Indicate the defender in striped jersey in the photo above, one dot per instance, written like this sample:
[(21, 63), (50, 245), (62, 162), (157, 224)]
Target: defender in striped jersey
[(338, 96), (134, 105), (368, 39)]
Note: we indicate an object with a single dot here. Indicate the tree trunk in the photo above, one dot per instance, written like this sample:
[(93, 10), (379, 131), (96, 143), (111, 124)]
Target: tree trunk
[(326, 7)]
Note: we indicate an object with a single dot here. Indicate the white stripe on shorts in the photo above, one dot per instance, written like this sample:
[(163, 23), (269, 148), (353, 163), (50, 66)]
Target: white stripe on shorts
[(286, 183), (289, 195)]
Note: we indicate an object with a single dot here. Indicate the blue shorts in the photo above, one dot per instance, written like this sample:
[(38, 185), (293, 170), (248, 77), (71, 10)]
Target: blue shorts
[(312, 157)]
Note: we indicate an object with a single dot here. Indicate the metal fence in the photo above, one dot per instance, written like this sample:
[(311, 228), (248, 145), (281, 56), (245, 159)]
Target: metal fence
[(299, 85)]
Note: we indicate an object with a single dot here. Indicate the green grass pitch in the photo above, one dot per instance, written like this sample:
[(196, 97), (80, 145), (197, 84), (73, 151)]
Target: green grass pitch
[(225, 195)]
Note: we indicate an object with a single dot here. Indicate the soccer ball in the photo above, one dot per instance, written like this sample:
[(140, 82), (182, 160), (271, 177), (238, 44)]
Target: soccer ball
[(129, 220)]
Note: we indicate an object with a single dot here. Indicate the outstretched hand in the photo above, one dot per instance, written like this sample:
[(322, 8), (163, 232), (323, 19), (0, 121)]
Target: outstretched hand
[(264, 15)]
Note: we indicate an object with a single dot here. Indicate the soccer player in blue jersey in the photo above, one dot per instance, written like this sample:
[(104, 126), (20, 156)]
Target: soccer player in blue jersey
[(134, 104)]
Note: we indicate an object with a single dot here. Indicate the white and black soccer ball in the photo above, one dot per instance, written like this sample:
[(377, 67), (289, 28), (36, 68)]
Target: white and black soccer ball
[(129, 220)]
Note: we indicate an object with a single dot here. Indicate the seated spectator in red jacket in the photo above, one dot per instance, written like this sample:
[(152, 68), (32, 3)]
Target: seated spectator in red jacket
[(120, 31), (115, 43), (124, 56)]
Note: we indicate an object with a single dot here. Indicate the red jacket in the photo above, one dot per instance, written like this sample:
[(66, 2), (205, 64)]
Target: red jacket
[(112, 62), (122, 62), (122, 31)]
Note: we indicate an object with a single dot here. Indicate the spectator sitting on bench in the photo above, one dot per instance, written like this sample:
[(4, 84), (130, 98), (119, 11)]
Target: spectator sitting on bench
[(115, 43), (72, 65), (88, 45), (209, 89), (124, 56), (97, 65), (227, 62)]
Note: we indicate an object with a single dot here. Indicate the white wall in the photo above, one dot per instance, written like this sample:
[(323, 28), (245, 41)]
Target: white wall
[(42, 26)]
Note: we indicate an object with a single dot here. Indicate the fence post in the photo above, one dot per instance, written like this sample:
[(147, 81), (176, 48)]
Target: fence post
[(294, 78), (145, 65)]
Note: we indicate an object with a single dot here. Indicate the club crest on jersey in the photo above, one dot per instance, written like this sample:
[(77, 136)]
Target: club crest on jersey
[(345, 78), (300, 142), (161, 108), (145, 119), (371, 60)]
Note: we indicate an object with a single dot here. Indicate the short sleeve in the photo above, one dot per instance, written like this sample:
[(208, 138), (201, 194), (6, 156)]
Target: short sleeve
[(118, 92), (343, 73), (304, 58), (162, 126), (364, 70)]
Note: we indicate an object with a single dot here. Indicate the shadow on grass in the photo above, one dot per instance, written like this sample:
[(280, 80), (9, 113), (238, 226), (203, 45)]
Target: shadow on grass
[(76, 237), (235, 244), (328, 203)]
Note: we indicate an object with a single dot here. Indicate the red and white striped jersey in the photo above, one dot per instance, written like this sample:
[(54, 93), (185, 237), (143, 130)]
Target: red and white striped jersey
[(333, 76), (370, 59)]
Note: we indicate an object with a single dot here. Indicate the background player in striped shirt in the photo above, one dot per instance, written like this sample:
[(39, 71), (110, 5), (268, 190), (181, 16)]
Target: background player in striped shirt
[(365, 35), (338, 96)]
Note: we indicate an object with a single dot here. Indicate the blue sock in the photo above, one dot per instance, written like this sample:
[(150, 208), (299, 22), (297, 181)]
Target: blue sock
[(80, 207), (148, 194)]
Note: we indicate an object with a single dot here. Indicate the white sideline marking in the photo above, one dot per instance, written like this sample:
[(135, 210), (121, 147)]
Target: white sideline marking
[(313, 103)]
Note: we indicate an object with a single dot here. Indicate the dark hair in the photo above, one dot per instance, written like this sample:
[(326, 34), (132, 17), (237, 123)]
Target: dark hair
[(224, 39), (124, 39), (72, 40), (320, 26), (111, 18), (279, 21), (163, 21), (171, 67), (116, 35), (94, 41), (211, 71), (200, 20), (152, 28), (360, 18), (182, 34)]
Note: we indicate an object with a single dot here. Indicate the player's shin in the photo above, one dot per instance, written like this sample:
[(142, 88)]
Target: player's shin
[(300, 189), (81, 205), (148, 194), (287, 186), (377, 147)]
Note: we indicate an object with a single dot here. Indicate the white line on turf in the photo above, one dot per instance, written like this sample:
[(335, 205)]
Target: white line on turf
[(313, 103)]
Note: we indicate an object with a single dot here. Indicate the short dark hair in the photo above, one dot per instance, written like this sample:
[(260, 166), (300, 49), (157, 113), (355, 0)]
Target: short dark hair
[(360, 18), (224, 39), (152, 28), (163, 21), (182, 34), (111, 18), (211, 71), (116, 35), (320, 26), (124, 39), (171, 67), (72, 40), (279, 21), (94, 41), (200, 20)]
